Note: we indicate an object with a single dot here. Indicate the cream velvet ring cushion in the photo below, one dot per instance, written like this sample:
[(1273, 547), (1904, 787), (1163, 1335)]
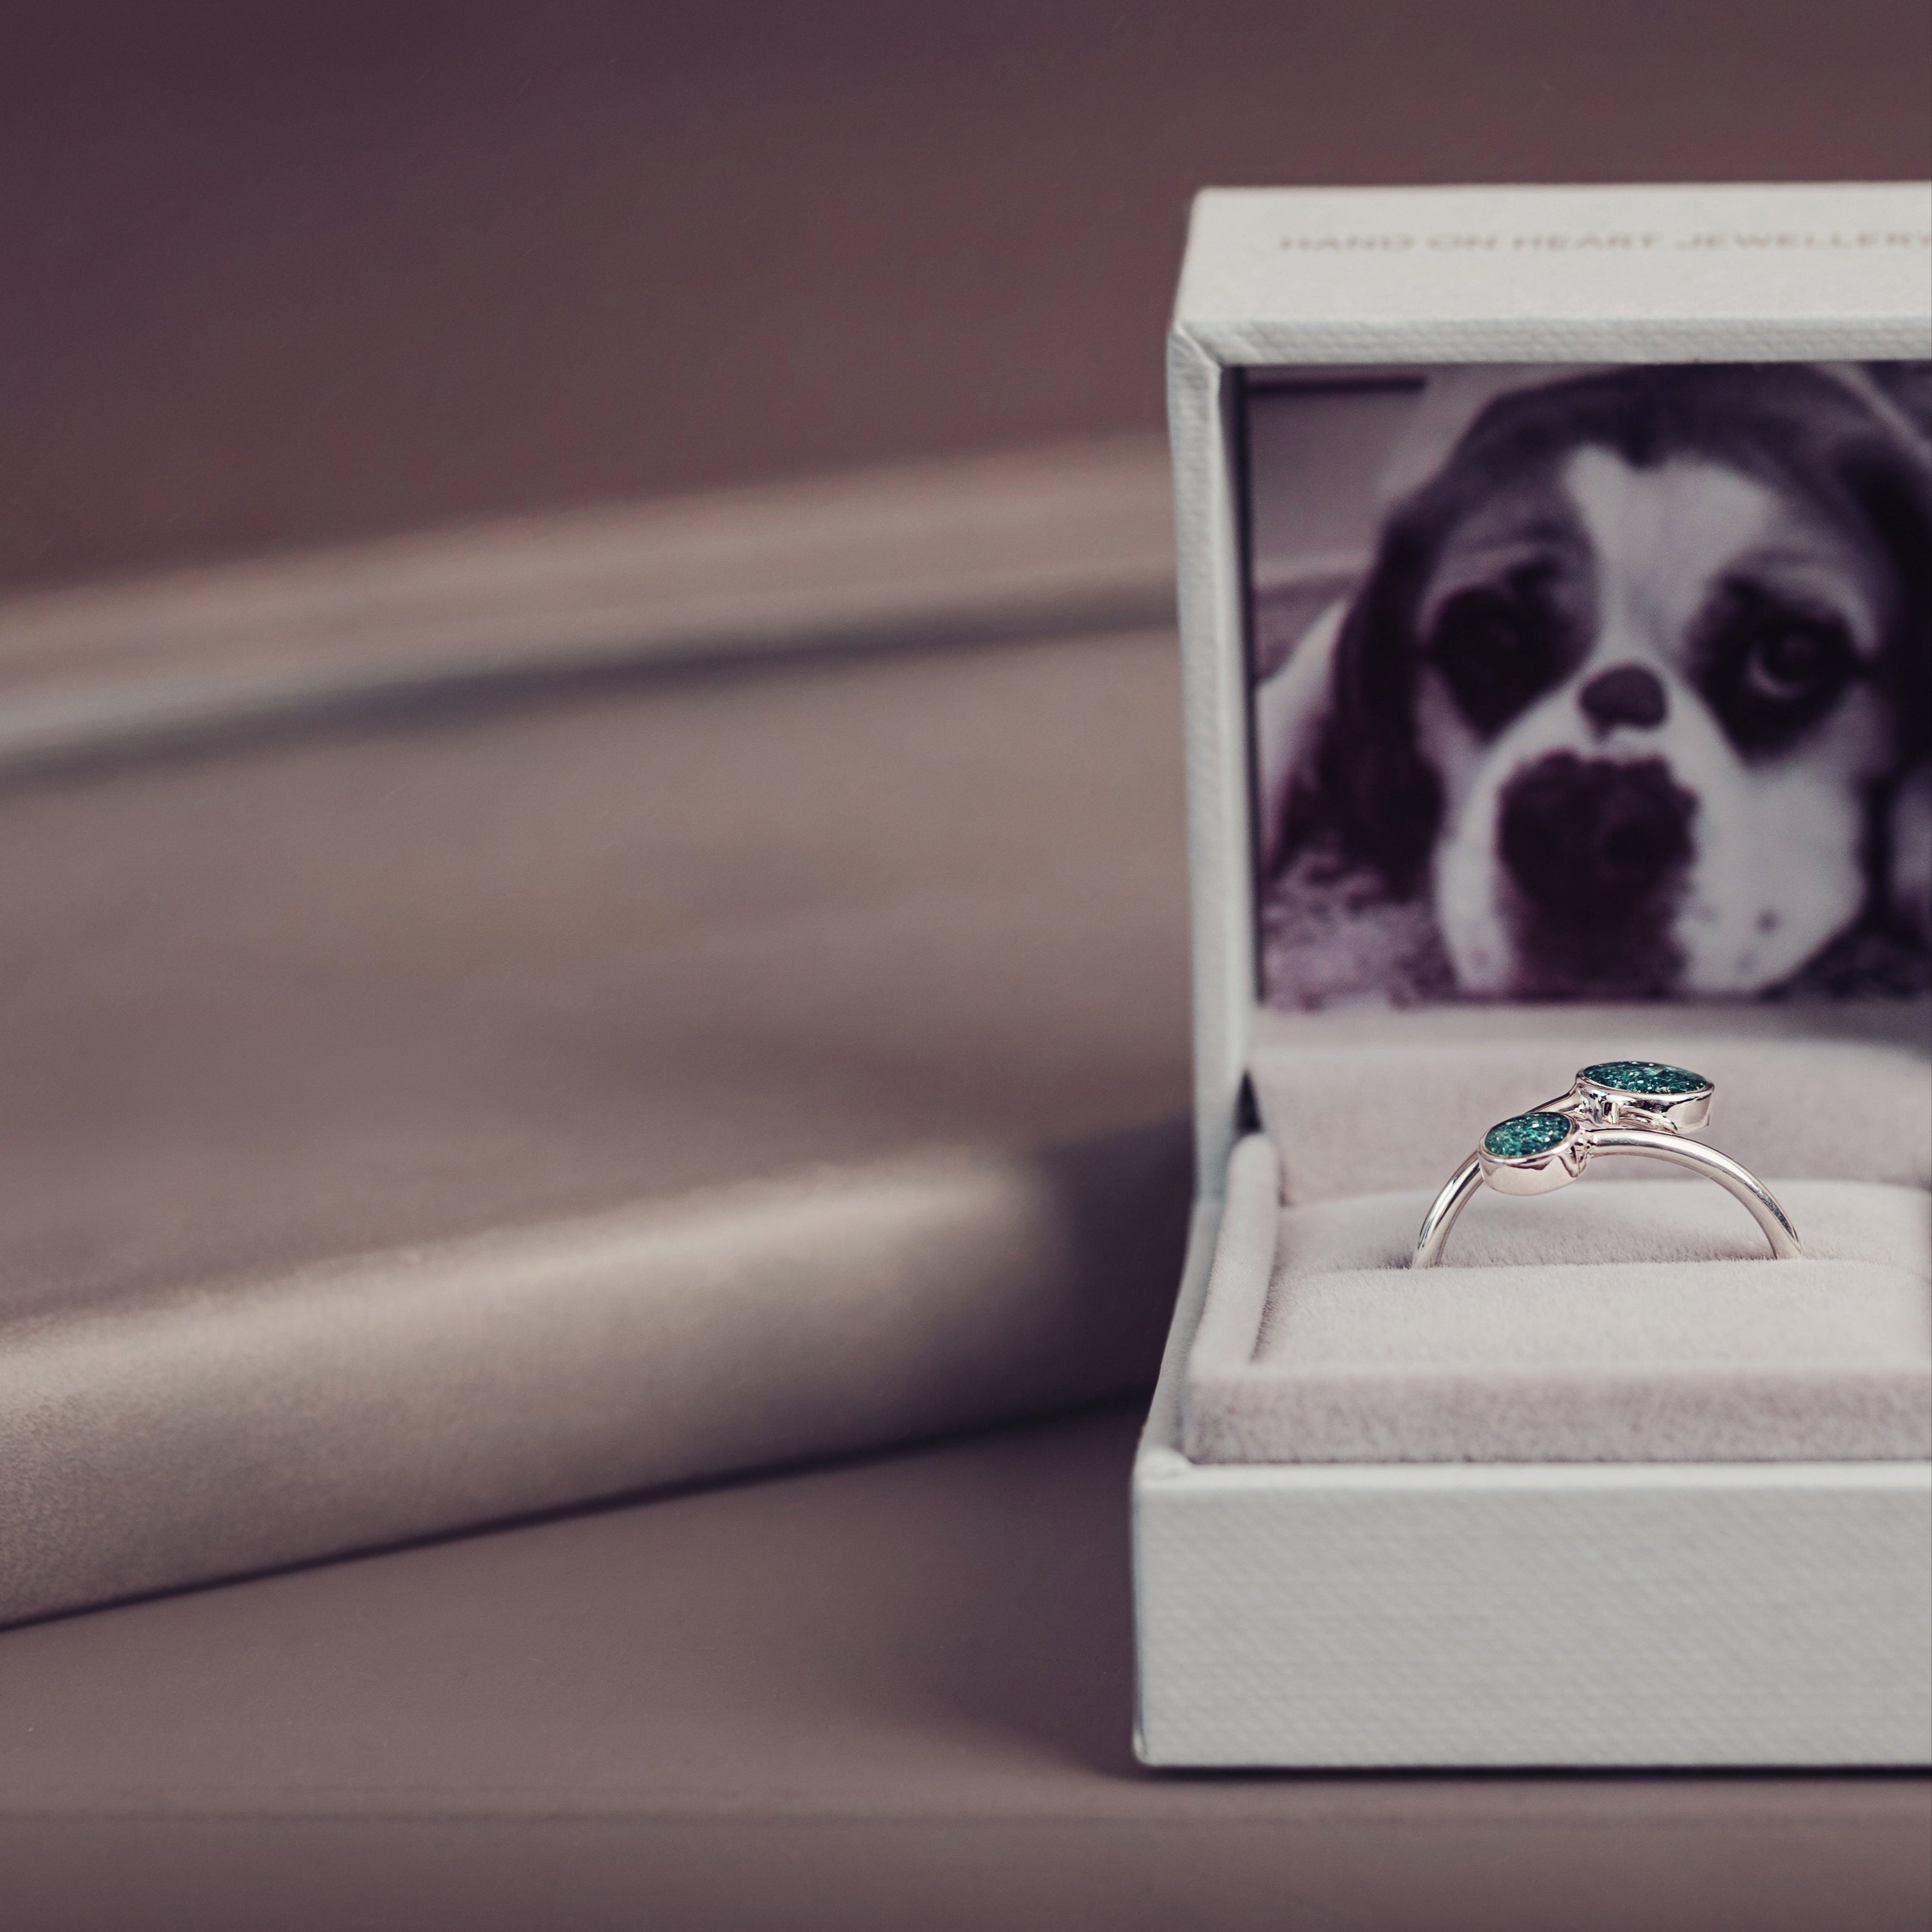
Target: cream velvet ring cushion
[(1369, 1103), (1631, 1318)]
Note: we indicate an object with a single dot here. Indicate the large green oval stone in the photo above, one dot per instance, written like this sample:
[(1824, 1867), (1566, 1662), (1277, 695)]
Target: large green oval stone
[(1527, 1134), (1644, 1076)]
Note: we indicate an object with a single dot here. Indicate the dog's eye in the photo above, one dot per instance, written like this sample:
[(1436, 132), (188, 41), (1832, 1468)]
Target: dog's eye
[(1786, 665), (1496, 653), (1769, 673)]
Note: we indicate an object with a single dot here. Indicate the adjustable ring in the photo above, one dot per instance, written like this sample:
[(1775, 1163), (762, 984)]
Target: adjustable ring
[(1616, 1107)]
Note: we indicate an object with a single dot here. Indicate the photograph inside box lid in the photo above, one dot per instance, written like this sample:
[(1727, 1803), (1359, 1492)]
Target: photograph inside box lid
[(1590, 723)]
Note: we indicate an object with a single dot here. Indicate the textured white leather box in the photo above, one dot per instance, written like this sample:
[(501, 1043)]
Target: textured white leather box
[(1472, 1614)]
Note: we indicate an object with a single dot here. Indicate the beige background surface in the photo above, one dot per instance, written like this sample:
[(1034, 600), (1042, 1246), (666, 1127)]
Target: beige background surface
[(278, 275), (310, 997), (860, 1700)]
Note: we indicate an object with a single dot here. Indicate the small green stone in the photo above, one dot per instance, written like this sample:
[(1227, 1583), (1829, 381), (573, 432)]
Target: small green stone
[(1644, 1076), (1527, 1134)]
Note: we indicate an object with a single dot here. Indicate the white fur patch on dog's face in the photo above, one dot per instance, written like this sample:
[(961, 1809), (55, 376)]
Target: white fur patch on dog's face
[(1727, 754)]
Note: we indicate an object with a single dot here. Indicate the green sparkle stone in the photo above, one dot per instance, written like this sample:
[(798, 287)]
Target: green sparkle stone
[(1526, 1134), (1644, 1076)]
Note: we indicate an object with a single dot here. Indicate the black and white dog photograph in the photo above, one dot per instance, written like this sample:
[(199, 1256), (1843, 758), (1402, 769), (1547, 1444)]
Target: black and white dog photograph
[(1595, 683)]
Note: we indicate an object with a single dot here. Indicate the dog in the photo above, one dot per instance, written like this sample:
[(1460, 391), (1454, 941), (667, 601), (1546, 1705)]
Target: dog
[(1636, 691)]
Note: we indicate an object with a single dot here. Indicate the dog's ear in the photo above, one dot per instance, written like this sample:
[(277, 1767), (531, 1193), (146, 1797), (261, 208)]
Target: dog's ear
[(1385, 797), (1893, 493), (1891, 484)]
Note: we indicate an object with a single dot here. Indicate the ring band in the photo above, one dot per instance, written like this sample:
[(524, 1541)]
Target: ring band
[(1616, 1107)]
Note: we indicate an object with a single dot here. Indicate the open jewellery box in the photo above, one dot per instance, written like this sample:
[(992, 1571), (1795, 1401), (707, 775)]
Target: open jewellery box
[(1555, 571)]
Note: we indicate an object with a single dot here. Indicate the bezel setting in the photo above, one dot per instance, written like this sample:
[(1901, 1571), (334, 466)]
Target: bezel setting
[(1543, 1169), (1681, 1108)]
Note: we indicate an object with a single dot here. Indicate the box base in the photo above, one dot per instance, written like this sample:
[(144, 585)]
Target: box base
[(1552, 1614)]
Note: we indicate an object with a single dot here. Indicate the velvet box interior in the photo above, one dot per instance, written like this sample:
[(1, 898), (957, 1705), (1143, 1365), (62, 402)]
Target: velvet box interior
[(1635, 1316)]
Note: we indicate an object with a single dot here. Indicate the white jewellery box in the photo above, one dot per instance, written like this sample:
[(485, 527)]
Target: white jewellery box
[(1555, 570)]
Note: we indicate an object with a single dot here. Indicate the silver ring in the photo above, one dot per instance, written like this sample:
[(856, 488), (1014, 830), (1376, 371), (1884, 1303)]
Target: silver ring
[(1617, 1106)]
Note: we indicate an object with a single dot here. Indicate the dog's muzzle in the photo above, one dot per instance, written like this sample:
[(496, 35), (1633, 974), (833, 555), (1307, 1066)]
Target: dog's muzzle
[(1590, 841)]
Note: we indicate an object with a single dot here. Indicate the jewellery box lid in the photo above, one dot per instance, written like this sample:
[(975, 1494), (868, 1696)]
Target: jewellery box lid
[(1364, 278)]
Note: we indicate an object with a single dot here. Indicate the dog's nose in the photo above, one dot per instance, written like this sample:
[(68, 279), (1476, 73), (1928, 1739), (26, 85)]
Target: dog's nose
[(1588, 840), (1630, 695)]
